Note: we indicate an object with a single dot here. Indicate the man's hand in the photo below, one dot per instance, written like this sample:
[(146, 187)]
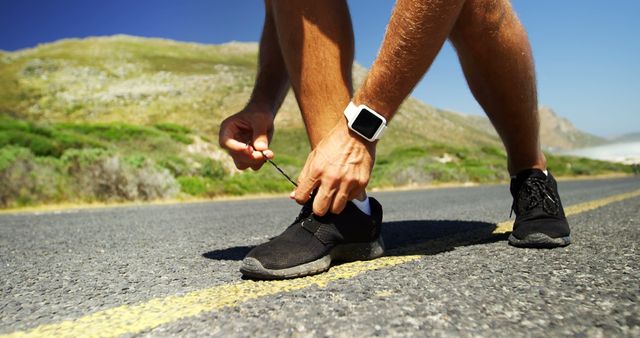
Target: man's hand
[(246, 135), (340, 167)]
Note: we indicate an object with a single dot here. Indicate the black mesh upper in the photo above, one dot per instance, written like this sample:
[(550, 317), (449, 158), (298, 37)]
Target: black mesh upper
[(312, 237), (537, 205)]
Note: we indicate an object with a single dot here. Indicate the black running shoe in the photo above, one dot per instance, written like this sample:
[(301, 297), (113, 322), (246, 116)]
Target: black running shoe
[(312, 243), (540, 220)]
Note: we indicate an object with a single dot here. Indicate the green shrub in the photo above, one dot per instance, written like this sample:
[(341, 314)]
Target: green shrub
[(9, 154), (175, 164), (494, 151), (181, 138), (100, 175), (70, 139), (39, 145), (136, 160), (200, 186), (26, 179), (111, 131), (212, 169), (9, 123), (193, 185), (256, 182), (172, 128), (84, 156)]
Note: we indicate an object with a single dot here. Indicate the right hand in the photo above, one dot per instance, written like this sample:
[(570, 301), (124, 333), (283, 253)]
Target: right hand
[(245, 135)]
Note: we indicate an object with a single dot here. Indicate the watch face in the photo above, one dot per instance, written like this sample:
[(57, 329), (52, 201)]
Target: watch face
[(366, 123)]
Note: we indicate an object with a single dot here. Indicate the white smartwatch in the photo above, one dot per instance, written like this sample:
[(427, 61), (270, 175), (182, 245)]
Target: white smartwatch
[(365, 121)]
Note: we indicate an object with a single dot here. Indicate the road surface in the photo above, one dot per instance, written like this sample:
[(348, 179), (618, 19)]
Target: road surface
[(172, 270)]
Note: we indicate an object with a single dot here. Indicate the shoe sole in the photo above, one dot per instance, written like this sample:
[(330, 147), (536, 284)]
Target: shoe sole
[(252, 268), (539, 240)]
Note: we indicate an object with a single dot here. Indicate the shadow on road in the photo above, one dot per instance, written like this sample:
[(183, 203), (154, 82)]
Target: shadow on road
[(424, 237), (430, 237)]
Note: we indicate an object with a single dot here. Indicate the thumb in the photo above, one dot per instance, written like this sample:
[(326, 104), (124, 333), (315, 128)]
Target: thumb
[(260, 139)]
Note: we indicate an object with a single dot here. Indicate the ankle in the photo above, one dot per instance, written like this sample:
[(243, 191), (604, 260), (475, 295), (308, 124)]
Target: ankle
[(515, 167)]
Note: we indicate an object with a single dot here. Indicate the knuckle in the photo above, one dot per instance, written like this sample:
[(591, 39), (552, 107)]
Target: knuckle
[(336, 209), (320, 209), (351, 180), (315, 170), (301, 196)]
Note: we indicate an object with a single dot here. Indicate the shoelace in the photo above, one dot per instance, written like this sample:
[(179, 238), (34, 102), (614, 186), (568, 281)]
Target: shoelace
[(307, 209), (305, 212), (538, 192), (279, 169)]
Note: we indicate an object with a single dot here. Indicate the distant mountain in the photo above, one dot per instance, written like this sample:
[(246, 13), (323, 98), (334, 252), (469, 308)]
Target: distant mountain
[(630, 137), (558, 133)]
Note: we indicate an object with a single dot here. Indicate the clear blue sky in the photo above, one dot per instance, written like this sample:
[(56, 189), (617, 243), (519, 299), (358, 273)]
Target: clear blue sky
[(586, 51)]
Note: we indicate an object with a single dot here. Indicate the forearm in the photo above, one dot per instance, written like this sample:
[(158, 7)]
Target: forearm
[(414, 36), (272, 82)]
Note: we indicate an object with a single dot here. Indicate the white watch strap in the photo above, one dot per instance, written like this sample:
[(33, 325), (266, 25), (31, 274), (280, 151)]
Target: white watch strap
[(351, 111)]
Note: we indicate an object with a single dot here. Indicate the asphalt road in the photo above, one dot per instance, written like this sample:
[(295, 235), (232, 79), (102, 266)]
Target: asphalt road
[(172, 270)]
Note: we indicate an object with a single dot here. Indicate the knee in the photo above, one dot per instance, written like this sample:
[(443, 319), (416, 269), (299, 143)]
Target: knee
[(480, 17)]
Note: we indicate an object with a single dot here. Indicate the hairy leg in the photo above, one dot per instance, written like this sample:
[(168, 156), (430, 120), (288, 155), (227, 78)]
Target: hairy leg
[(316, 39), (495, 55)]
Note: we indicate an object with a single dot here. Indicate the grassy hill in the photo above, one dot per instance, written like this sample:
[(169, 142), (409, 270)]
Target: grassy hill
[(124, 118)]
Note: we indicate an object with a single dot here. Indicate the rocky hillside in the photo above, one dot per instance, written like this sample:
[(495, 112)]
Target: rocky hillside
[(123, 118), (146, 81), (558, 133)]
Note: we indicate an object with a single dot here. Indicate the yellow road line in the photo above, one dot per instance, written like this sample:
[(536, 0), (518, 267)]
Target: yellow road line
[(137, 318), (507, 226)]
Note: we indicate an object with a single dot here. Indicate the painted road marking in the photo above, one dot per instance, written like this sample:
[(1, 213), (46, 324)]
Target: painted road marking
[(137, 318), (507, 226)]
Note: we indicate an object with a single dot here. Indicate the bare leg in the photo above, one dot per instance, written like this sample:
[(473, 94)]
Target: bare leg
[(316, 39), (496, 58)]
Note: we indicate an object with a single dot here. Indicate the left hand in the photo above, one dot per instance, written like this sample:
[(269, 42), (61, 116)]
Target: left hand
[(340, 167)]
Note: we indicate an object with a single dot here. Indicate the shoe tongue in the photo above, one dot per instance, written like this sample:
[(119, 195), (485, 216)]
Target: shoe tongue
[(522, 176)]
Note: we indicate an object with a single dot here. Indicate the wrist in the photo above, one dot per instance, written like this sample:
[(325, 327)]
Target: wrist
[(375, 101), (353, 138), (256, 106)]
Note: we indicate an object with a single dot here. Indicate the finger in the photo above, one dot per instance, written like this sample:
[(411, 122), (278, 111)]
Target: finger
[(240, 164), (229, 139), (340, 200), (257, 166), (258, 156), (357, 188), (236, 146), (306, 183), (242, 160), (323, 200), (269, 154), (304, 189), (260, 138)]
